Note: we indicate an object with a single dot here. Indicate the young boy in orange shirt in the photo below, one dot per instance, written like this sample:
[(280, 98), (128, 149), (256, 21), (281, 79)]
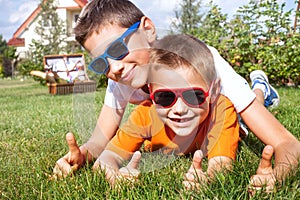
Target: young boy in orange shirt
[(187, 112)]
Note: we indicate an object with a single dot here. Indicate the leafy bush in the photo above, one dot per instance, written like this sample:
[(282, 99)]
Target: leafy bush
[(259, 36)]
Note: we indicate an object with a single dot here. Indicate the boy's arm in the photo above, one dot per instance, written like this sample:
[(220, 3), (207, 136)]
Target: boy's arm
[(109, 162), (107, 124), (269, 130), (106, 127)]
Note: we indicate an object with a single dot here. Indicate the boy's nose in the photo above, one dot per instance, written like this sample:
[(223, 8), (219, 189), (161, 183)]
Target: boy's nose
[(179, 107), (115, 67)]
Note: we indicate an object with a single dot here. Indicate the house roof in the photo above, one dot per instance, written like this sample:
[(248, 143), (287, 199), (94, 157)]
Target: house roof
[(81, 3), (16, 41)]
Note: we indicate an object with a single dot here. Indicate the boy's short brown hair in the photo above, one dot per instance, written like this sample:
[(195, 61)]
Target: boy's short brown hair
[(99, 13), (183, 50)]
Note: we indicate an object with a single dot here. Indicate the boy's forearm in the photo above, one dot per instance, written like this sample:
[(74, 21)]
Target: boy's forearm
[(106, 127), (109, 162), (91, 150), (109, 159)]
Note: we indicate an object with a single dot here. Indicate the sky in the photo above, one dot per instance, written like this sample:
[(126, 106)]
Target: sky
[(14, 12)]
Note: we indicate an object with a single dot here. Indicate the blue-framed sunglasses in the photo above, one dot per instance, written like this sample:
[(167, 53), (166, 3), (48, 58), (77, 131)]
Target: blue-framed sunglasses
[(117, 50)]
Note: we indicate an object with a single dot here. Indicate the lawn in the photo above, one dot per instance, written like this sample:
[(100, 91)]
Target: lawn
[(33, 126)]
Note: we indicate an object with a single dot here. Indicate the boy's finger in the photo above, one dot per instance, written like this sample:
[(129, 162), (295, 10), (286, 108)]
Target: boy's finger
[(135, 160), (62, 168), (197, 160), (191, 185), (73, 146), (265, 163), (257, 182)]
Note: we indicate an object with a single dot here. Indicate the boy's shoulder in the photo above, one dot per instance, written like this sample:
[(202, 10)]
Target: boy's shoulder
[(146, 103), (224, 101), (144, 107)]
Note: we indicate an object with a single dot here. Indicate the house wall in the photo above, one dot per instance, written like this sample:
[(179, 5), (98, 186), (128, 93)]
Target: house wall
[(66, 10), (29, 34), (66, 3)]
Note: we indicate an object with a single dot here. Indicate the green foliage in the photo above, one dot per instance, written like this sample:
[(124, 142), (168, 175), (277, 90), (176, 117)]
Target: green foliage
[(258, 40), (7, 59), (51, 30), (33, 138), (188, 17), (3, 45), (259, 36), (216, 21)]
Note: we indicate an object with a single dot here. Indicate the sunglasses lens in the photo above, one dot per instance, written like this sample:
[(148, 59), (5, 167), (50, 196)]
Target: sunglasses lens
[(99, 65), (164, 98), (117, 50), (194, 97)]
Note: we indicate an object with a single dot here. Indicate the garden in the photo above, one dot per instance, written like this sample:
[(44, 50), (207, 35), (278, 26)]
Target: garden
[(33, 127)]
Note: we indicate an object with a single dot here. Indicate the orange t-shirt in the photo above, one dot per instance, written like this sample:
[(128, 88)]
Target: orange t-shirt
[(217, 135)]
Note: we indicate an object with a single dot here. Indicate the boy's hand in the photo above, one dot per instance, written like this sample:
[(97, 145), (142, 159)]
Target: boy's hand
[(71, 161), (131, 172), (264, 176), (112, 173), (195, 177)]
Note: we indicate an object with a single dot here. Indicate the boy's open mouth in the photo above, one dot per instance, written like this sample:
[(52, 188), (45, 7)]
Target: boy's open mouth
[(181, 120)]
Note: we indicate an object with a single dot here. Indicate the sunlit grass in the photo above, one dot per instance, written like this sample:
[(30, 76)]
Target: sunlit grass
[(33, 126)]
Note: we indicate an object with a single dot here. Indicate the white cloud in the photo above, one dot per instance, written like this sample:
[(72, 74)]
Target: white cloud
[(22, 12), (161, 12)]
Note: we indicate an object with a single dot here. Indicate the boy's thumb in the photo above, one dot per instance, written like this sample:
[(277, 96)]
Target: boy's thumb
[(135, 160), (73, 146), (197, 160), (265, 164)]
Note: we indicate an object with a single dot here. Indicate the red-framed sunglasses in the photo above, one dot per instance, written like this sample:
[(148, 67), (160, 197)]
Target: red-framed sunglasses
[(193, 96)]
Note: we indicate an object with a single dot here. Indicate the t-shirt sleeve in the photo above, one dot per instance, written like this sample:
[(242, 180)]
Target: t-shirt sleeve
[(233, 86), (119, 95), (223, 135), (131, 135)]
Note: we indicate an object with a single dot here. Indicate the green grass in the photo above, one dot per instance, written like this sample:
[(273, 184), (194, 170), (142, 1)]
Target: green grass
[(33, 126)]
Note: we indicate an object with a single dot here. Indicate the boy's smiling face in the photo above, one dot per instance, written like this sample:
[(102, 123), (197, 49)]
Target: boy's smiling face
[(181, 118), (132, 69)]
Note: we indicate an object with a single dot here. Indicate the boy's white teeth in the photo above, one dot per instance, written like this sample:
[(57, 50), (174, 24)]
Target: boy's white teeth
[(180, 120)]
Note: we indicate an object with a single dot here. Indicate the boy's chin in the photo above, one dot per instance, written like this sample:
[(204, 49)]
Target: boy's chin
[(184, 132), (138, 83)]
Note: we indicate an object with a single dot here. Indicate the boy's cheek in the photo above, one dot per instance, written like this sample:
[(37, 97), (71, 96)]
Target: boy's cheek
[(138, 56), (162, 113), (138, 41)]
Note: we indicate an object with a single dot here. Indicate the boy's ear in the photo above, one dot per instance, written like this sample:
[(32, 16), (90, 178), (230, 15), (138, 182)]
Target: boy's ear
[(215, 90), (149, 28)]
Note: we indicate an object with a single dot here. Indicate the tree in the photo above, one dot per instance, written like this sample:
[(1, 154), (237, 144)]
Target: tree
[(261, 31), (52, 37), (213, 28), (260, 36), (51, 29), (7, 59), (188, 16)]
